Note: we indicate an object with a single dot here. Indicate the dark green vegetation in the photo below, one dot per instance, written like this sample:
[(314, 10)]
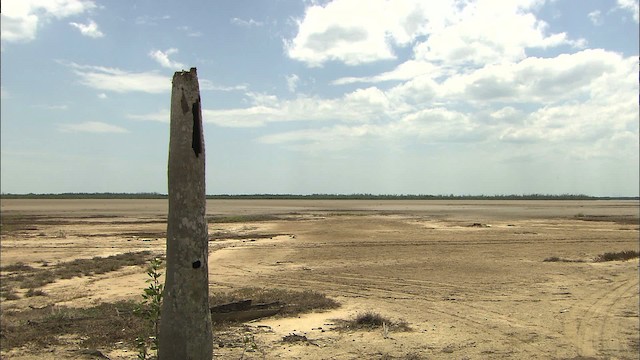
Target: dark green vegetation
[(323, 196)]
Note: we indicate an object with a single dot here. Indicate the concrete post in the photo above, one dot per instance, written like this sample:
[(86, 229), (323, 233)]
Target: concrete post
[(185, 322)]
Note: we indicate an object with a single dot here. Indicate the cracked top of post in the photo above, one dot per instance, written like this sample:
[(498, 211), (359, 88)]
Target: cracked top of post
[(192, 73)]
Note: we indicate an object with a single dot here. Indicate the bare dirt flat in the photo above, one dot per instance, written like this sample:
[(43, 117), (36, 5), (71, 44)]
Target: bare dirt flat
[(469, 277)]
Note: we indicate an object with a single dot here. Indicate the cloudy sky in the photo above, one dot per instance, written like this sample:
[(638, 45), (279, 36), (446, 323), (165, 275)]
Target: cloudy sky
[(343, 96)]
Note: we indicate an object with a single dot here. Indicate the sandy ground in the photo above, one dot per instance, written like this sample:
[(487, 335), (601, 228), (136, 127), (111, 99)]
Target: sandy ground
[(467, 292)]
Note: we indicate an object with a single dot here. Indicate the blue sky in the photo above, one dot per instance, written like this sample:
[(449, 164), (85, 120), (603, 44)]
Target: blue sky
[(343, 96)]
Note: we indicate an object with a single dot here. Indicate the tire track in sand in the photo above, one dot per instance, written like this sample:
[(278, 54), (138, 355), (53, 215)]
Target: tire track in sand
[(588, 326), (493, 325)]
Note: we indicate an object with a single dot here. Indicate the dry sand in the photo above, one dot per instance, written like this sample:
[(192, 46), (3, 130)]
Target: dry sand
[(467, 292)]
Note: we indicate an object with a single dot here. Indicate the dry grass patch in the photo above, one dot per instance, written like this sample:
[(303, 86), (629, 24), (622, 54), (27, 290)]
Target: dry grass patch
[(293, 302), (17, 267), (28, 277), (98, 327)]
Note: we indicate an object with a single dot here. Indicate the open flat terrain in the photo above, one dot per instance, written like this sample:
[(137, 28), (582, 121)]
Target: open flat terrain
[(468, 277)]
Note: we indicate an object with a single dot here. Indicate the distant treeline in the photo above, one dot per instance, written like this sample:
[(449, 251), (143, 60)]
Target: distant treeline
[(322, 196)]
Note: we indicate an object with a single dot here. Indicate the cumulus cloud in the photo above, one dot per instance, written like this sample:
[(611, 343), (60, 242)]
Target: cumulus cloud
[(90, 29), (21, 19), (162, 58), (444, 31), (331, 32), (530, 80), (91, 127), (571, 100), (120, 81)]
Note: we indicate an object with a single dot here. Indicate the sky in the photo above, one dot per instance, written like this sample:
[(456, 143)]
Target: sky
[(463, 97)]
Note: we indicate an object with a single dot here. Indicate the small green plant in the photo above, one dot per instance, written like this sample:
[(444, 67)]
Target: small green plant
[(149, 310), (249, 345)]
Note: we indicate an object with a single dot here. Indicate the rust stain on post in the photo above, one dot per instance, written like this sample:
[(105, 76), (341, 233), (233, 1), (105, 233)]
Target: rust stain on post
[(185, 323)]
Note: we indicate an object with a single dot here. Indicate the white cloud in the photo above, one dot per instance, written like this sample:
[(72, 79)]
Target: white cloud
[(189, 31), (56, 107), (91, 127), (90, 29), (580, 104), (21, 19), (531, 80), (160, 116), (206, 84), (102, 96), (120, 81), (246, 23), (361, 106), (448, 32), (405, 71), (292, 82), (595, 17), (632, 6), (347, 31), (485, 32), (151, 20), (162, 58)]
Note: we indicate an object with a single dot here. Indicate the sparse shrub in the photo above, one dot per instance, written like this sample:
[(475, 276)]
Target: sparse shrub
[(617, 256), (372, 320), (35, 292)]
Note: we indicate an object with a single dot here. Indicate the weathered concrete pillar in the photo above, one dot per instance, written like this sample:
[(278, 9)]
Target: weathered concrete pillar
[(185, 323)]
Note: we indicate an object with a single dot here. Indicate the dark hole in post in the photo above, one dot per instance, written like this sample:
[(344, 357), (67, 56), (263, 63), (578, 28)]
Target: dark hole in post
[(196, 264), (196, 139)]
